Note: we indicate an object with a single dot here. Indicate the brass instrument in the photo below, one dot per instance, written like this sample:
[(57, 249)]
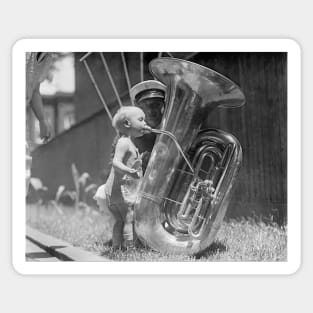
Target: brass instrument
[(180, 209)]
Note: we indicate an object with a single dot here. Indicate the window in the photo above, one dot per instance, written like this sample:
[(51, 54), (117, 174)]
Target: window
[(66, 116), (62, 76)]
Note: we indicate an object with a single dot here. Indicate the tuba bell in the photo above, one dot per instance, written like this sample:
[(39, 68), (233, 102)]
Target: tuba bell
[(181, 205)]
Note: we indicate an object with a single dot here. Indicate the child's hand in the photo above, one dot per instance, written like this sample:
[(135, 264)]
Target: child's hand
[(134, 173)]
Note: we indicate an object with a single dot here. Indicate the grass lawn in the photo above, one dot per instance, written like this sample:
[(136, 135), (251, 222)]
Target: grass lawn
[(237, 240)]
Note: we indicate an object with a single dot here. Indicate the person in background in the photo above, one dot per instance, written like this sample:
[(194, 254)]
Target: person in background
[(38, 65), (149, 95)]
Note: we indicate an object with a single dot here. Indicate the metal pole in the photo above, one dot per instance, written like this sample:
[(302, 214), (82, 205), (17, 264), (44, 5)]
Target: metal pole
[(159, 55), (111, 79), (191, 55), (126, 75), (97, 89), (84, 56), (141, 66)]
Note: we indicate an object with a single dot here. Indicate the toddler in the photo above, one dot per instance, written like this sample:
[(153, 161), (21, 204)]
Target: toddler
[(120, 190)]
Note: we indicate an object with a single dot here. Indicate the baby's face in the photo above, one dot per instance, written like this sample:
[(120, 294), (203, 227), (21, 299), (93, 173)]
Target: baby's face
[(137, 121)]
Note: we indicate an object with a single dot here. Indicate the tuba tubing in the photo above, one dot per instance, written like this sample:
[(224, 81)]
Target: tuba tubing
[(177, 210)]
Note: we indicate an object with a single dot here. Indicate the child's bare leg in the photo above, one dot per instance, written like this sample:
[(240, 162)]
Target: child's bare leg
[(119, 212), (128, 228), (117, 237)]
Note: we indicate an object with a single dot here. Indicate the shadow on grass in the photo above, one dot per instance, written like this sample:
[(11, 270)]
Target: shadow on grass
[(215, 247), (111, 252), (141, 252)]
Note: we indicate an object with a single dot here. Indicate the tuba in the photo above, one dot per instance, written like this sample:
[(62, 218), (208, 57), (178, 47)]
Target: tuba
[(180, 208)]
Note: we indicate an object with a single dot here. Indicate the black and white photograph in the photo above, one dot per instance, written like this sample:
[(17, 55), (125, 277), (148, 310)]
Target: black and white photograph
[(156, 156)]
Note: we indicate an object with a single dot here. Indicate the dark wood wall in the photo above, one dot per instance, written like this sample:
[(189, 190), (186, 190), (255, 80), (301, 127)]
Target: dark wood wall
[(260, 126)]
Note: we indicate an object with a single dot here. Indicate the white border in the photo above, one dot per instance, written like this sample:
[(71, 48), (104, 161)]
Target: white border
[(157, 268)]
